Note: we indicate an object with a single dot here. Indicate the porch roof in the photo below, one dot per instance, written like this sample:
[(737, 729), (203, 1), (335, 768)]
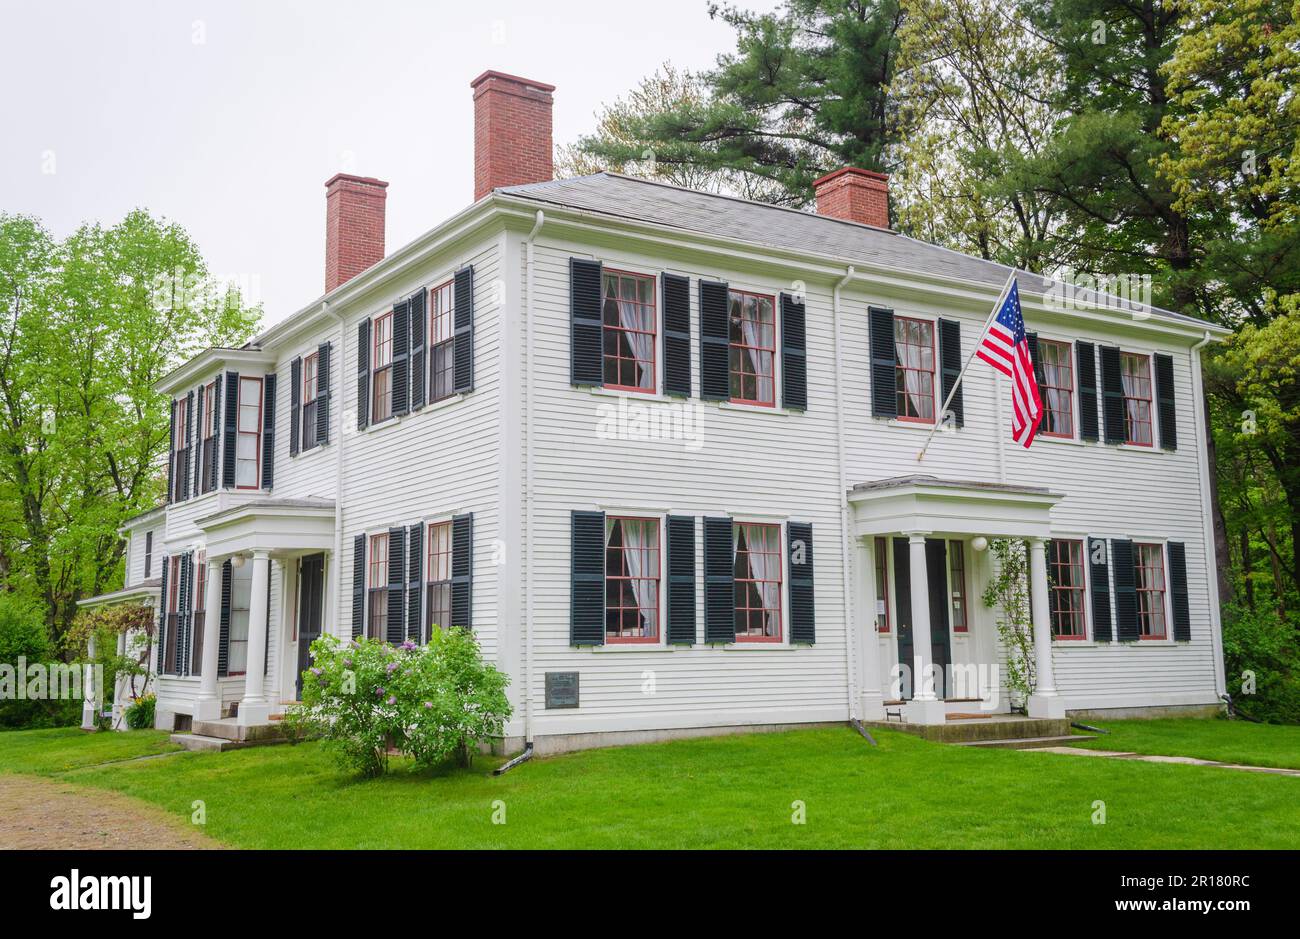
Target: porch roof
[(145, 590), (929, 504), (280, 526)]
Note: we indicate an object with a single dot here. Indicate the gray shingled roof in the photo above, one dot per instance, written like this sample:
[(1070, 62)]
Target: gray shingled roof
[(774, 226)]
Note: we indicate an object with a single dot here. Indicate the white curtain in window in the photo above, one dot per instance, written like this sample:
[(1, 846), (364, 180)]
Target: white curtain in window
[(911, 358), (636, 538), (636, 319), (1131, 389), (753, 337)]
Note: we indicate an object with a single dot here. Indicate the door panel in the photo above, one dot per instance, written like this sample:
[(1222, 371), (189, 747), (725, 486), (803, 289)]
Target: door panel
[(936, 569), (311, 599)]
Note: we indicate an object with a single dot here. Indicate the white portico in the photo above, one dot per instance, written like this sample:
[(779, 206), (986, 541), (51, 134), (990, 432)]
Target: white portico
[(257, 533), (922, 521)]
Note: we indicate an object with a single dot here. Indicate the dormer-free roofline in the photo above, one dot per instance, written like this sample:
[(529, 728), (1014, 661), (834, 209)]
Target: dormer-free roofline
[(212, 361)]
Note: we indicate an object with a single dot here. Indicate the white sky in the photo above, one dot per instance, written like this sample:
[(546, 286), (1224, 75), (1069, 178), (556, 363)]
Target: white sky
[(228, 117)]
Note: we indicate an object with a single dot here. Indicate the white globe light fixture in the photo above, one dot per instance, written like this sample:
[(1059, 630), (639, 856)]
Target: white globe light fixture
[(979, 543), (237, 560)]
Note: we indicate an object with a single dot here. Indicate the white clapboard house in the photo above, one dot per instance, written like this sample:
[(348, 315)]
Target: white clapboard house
[(658, 449)]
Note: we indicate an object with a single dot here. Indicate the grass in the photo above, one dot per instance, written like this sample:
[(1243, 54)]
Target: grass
[(1222, 740), (733, 792), (65, 748)]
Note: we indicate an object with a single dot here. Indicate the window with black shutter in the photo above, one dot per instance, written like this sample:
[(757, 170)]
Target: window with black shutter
[(171, 453), (462, 571), (677, 335), (950, 363), (1126, 601), (210, 413), (681, 579), (585, 323), (400, 372), (719, 581), (803, 624), (1099, 581), (442, 342), (323, 393), (1112, 396), (463, 367), (223, 637), (311, 401), (1178, 599), (414, 556), (416, 312), (377, 588), (715, 341), (437, 588), (587, 578), (1085, 358), (268, 431), (794, 353), (358, 585), (396, 596), (1165, 403), (295, 406), (230, 429), (381, 368), (884, 363)]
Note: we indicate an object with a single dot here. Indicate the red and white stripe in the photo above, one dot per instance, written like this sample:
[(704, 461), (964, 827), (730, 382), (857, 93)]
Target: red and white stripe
[(999, 349)]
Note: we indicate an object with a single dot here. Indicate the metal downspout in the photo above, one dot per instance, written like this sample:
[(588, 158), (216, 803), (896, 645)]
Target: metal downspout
[(846, 554)]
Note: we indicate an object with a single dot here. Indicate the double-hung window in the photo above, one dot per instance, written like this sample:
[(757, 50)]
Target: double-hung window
[(957, 584), (914, 350), (381, 367), (310, 389), (438, 579), (752, 352), (208, 447), (248, 445), (1058, 388), (442, 341), (241, 598), (1135, 373), (757, 552), (1149, 570), (377, 622), (882, 585), (180, 444), (1065, 564), (148, 554), (629, 331), (631, 579)]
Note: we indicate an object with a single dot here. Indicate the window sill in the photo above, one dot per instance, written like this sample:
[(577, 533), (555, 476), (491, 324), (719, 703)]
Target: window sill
[(915, 425), (626, 648), (1139, 448), (755, 408), (601, 392), (440, 403), (1066, 441), (386, 422)]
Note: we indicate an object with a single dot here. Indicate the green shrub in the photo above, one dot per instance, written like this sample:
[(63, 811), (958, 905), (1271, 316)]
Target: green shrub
[(140, 713), (434, 702), (1262, 644), (23, 635)]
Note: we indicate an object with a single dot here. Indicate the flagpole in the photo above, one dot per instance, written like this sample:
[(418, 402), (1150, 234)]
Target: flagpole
[(997, 305)]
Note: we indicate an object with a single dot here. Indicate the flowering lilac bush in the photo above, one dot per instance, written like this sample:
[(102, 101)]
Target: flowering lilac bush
[(434, 702)]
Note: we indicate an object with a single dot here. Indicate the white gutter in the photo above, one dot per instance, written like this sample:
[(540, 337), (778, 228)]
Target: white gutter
[(1207, 512), (526, 652), (846, 552)]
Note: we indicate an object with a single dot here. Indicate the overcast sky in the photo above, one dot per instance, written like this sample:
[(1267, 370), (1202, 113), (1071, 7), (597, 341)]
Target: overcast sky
[(228, 117)]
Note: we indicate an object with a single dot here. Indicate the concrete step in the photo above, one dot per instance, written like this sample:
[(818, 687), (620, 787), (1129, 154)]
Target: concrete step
[(201, 742), (231, 729), (1029, 743)]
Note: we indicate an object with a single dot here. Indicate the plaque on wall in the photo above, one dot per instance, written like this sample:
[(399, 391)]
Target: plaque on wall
[(561, 690)]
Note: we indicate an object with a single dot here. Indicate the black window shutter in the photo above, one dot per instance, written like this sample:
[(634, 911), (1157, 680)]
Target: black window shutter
[(214, 465), (587, 579), (677, 335), (1164, 369), (1126, 616), (231, 418), (268, 431), (585, 324), (1112, 391), (401, 370), (802, 620), (462, 571), (171, 454), (184, 606), (1099, 585), (1178, 591), (794, 353), (462, 366), (295, 404), (1040, 374), (715, 341), (162, 616), (681, 579), (903, 584), (223, 639), (884, 363), (416, 314), (719, 581), (414, 591), (358, 585), (196, 455), (184, 468), (323, 392), (363, 374), (396, 583), (1085, 358), (951, 363)]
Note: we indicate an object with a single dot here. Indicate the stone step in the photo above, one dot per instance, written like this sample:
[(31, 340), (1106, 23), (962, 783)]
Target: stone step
[(231, 729), (1029, 743), (201, 742)]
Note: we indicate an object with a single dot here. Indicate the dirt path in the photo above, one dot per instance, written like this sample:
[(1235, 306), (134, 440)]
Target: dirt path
[(38, 812)]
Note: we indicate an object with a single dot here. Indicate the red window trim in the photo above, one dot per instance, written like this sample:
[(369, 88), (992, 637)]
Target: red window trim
[(881, 566), (1151, 422), (376, 368), (1163, 589), (658, 636), (434, 342), (654, 331), (1081, 590), (373, 588), (181, 437), (965, 610), (933, 372), (1069, 359), (770, 298), (261, 404), (312, 359), (780, 582)]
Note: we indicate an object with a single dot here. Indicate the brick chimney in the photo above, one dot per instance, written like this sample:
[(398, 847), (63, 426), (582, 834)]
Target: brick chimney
[(512, 132), (854, 195), (354, 226)]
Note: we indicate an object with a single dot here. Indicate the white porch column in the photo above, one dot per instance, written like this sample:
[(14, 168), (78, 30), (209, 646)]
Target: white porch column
[(90, 703), (872, 703), (1044, 702), (208, 705), (254, 708), (119, 691), (925, 706)]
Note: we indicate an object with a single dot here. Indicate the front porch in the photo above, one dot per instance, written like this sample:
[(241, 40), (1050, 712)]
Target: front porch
[(929, 650)]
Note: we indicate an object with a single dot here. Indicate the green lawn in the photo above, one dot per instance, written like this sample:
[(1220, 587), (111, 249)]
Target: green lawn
[(65, 748), (1223, 740), (733, 792)]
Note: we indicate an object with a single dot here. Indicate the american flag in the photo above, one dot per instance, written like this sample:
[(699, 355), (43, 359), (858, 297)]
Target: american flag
[(1006, 348)]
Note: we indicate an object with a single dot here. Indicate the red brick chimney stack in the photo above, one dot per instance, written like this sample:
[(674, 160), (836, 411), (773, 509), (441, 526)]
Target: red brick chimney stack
[(854, 195), (354, 226), (512, 132)]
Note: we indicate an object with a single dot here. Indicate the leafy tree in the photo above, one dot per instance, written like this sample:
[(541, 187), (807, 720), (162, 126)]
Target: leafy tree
[(90, 324)]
